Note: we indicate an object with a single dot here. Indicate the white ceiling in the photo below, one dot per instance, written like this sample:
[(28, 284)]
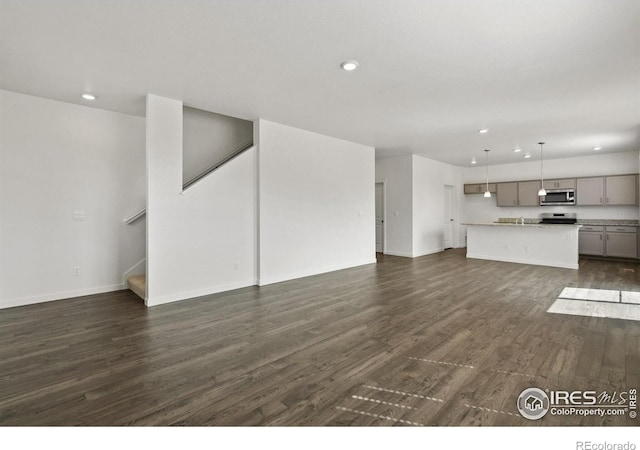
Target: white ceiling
[(431, 72)]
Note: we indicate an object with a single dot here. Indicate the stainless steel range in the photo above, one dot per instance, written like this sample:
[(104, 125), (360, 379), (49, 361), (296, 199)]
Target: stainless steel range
[(559, 218)]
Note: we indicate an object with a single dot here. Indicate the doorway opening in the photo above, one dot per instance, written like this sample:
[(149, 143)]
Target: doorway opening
[(448, 217), (380, 218)]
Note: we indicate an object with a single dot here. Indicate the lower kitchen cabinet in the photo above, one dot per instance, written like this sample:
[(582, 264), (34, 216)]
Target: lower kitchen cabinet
[(611, 240), (591, 242), (621, 242)]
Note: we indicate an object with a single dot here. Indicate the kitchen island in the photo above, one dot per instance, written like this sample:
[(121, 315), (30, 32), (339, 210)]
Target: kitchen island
[(538, 244)]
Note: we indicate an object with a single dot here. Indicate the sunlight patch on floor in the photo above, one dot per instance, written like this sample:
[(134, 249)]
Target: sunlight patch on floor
[(605, 303)]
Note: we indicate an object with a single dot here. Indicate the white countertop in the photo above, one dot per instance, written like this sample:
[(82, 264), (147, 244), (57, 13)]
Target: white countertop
[(526, 225)]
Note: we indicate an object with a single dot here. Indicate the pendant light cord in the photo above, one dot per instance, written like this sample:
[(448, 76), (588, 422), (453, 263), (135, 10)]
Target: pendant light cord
[(487, 166), (541, 162)]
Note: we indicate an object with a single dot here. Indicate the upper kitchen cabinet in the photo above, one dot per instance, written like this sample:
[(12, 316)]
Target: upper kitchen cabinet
[(507, 194), (617, 190), (479, 188), (471, 188), (621, 190), (528, 193), (522, 193), (590, 191), (565, 183), (613, 190)]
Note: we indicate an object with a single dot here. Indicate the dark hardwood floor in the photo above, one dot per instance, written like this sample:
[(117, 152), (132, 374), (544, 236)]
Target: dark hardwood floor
[(436, 340)]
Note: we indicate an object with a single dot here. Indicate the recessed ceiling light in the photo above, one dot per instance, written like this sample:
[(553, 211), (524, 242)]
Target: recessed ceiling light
[(517, 150), (349, 65), (473, 161), (597, 148), (483, 131), (87, 96), (527, 155)]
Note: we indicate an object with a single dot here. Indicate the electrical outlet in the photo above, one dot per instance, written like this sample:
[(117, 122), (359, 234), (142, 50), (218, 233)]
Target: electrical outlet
[(236, 266), (76, 271)]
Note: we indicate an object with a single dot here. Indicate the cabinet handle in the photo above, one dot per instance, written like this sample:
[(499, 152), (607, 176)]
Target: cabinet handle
[(600, 237), (601, 200)]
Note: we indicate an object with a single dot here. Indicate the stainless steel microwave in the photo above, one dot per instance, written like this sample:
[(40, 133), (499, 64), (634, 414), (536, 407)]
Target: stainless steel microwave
[(558, 197)]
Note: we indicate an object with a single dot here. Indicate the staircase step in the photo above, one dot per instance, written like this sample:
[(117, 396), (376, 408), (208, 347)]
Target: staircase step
[(138, 284)]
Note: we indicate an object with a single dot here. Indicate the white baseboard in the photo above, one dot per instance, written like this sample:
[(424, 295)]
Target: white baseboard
[(11, 303), (293, 276), (415, 255), (196, 293), (405, 255), (428, 252), (534, 262)]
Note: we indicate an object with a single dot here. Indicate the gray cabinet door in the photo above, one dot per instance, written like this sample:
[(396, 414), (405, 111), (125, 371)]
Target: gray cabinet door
[(622, 245), (590, 191), (565, 183), (622, 190), (591, 243), (507, 194), (471, 188), (528, 193), (479, 188)]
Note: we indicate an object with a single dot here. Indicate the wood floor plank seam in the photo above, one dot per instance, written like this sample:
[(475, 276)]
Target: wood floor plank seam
[(492, 410), (373, 400), (408, 394), (443, 362), (378, 416)]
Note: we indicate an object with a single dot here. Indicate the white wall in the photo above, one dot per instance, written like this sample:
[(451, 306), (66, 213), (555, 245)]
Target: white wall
[(201, 241), (429, 179), (316, 203), (397, 175), (57, 158), (208, 137), (476, 208), (414, 207)]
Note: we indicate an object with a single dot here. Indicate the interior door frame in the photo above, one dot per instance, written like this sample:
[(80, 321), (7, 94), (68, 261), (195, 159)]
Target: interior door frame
[(384, 213), (452, 214)]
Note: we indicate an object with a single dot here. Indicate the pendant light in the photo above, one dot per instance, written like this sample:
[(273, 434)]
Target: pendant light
[(487, 194), (542, 192)]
